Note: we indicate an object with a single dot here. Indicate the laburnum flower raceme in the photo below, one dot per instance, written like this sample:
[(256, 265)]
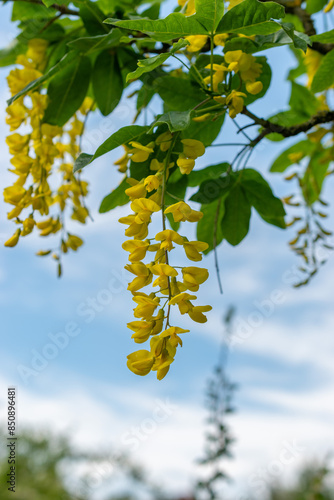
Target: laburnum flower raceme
[(236, 63), (40, 155), (172, 288)]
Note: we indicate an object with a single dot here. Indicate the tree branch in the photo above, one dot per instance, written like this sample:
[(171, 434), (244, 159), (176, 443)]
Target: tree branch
[(307, 22), (269, 127), (61, 8)]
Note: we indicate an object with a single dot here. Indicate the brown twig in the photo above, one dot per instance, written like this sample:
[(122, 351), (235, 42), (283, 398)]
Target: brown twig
[(269, 127)]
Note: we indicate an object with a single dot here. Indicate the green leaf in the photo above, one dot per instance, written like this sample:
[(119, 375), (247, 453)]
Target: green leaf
[(175, 25), (127, 59), (179, 94), (209, 13), (235, 223), (324, 77), (9, 54), (302, 100), (82, 160), (176, 120), (327, 37), (210, 223), (147, 65), (260, 195), (206, 132), (144, 96), (274, 221), (92, 18), (107, 82), (38, 28), (314, 176), (263, 42), (286, 119), (196, 177), (116, 198), (299, 40), (284, 160), (67, 91), (313, 6), (122, 136), (48, 3), (213, 189), (251, 17), (23, 11), (99, 42), (63, 63)]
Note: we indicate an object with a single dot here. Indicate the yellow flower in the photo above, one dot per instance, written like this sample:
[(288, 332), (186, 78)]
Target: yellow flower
[(139, 231), (238, 60), (22, 163), (251, 74), (39, 104), (142, 330), (86, 106), (14, 213), (156, 165), (329, 6), (164, 359), (137, 249), (167, 237), (13, 239), (183, 302), (196, 42), (220, 39), (140, 153), (14, 194), (140, 362), (28, 226), (74, 242), (185, 164), (181, 212), (19, 78), (163, 271), (123, 161), (16, 115), (218, 77), (193, 277), (151, 182), (146, 305), (164, 140), (144, 209), (37, 50), (254, 87), (172, 333), (193, 249), (202, 118), (17, 143), (197, 315), (235, 103), (193, 148), (80, 214), (233, 3), (190, 6), (312, 60), (144, 276), (136, 191)]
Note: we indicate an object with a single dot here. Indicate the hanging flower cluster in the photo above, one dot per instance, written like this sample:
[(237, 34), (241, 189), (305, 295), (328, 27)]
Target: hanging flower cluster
[(34, 154), (236, 62), (172, 286)]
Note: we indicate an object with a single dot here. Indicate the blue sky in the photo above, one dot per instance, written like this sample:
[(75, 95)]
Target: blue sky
[(282, 363)]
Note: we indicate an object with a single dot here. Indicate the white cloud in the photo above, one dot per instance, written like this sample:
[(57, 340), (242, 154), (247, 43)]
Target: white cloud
[(168, 440)]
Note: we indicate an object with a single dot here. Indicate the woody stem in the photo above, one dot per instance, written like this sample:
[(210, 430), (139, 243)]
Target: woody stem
[(163, 192)]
